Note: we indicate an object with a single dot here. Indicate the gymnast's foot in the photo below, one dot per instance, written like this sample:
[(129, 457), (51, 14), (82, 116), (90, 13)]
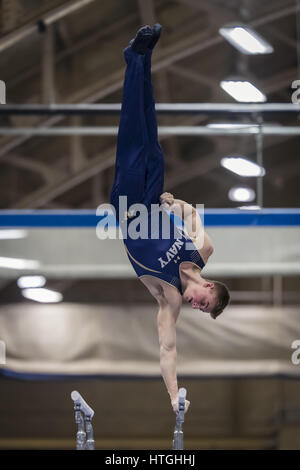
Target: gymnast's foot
[(142, 40), (156, 35)]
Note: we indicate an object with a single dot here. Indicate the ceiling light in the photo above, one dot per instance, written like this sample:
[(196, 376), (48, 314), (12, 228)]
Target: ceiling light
[(243, 167), (12, 234), (31, 281), (241, 194), (42, 295), (18, 263), (228, 125), (243, 91), (245, 39)]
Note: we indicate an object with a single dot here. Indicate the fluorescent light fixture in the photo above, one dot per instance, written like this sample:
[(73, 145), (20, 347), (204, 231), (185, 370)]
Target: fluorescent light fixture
[(243, 167), (241, 194), (18, 263), (227, 125), (243, 91), (31, 281), (42, 295), (250, 208), (12, 234), (245, 39)]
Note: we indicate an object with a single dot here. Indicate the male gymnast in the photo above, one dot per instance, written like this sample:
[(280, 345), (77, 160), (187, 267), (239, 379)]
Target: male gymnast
[(169, 270)]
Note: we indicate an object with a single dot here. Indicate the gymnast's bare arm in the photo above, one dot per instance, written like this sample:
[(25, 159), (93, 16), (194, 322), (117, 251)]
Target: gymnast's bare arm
[(169, 301)]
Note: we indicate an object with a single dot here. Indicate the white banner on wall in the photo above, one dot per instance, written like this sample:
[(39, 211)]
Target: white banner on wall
[(97, 339)]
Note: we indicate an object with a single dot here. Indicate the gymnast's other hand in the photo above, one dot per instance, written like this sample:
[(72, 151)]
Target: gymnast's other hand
[(167, 199), (175, 405)]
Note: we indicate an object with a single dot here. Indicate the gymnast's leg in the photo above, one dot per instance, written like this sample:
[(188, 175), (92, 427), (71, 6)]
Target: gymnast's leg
[(155, 162), (132, 143)]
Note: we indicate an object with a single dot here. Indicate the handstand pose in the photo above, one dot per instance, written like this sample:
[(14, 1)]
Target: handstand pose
[(169, 270)]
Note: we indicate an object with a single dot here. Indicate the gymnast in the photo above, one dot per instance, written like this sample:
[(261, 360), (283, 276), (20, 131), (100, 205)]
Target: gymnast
[(167, 266)]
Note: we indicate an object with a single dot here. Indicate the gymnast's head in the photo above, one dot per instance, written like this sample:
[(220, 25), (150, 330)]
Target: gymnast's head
[(208, 296)]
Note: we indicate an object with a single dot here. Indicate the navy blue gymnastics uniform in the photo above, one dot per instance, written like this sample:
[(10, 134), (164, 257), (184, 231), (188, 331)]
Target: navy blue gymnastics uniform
[(139, 175)]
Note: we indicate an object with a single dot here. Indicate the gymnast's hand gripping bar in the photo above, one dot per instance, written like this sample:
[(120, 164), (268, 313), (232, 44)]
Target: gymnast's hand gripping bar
[(85, 428), (178, 433)]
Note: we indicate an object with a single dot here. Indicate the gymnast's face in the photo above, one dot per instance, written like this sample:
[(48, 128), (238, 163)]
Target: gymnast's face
[(201, 297)]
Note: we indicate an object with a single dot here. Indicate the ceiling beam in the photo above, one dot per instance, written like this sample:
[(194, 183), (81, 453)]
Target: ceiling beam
[(48, 173), (292, 43), (64, 34), (200, 79), (182, 174), (169, 56), (217, 13), (187, 171), (48, 18), (99, 90), (85, 43), (11, 12), (211, 161), (107, 88), (280, 80), (77, 153), (63, 183), (47, 76)]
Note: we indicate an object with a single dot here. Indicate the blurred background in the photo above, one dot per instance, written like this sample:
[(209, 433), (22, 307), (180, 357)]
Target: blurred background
[(94, 328)]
